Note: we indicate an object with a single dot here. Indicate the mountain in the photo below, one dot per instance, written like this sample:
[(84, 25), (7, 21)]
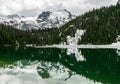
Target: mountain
[(45, 19), (98, 27), (49, 19)]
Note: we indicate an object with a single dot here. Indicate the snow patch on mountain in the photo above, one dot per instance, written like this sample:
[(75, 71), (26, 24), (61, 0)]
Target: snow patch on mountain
[(74, 40)]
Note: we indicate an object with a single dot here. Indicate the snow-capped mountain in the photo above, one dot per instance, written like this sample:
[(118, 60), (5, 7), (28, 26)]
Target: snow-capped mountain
[(45, 19)]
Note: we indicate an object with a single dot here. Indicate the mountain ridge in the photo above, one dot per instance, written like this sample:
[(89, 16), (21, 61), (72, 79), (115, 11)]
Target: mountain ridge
[(45, 19)]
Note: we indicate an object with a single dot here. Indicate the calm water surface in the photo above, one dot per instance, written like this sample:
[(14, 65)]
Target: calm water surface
[(22, 65)]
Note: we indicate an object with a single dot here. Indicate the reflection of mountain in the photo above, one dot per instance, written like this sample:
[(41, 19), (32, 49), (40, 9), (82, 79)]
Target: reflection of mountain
[(101, 65), (40, 60), (54, 70)]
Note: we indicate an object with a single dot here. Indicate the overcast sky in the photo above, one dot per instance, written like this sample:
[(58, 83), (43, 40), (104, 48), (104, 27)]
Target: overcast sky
[(33, 7)]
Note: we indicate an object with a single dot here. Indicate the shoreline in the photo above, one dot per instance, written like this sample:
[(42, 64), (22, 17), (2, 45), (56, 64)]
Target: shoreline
[(109, 46), (81, 46)]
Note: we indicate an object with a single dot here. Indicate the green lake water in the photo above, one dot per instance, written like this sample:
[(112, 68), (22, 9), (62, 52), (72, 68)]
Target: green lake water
[(24, 65)]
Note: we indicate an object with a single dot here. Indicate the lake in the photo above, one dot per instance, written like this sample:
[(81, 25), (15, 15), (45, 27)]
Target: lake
[(25, 65)]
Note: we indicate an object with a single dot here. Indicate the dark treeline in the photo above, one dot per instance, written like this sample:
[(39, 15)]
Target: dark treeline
[(12, 36)]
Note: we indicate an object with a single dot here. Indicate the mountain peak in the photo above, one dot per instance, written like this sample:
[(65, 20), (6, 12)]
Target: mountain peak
[(44, 15), (70, 15)]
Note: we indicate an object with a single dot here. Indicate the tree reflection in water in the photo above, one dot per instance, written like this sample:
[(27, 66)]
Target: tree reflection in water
[(100, 65)]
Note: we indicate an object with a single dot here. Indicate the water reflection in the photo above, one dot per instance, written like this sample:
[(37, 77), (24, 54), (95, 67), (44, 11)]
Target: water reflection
[(77, 53), (118, 51), (59, 66)]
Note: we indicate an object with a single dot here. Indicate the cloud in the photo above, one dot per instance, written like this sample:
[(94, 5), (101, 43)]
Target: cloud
[(33, 7)]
